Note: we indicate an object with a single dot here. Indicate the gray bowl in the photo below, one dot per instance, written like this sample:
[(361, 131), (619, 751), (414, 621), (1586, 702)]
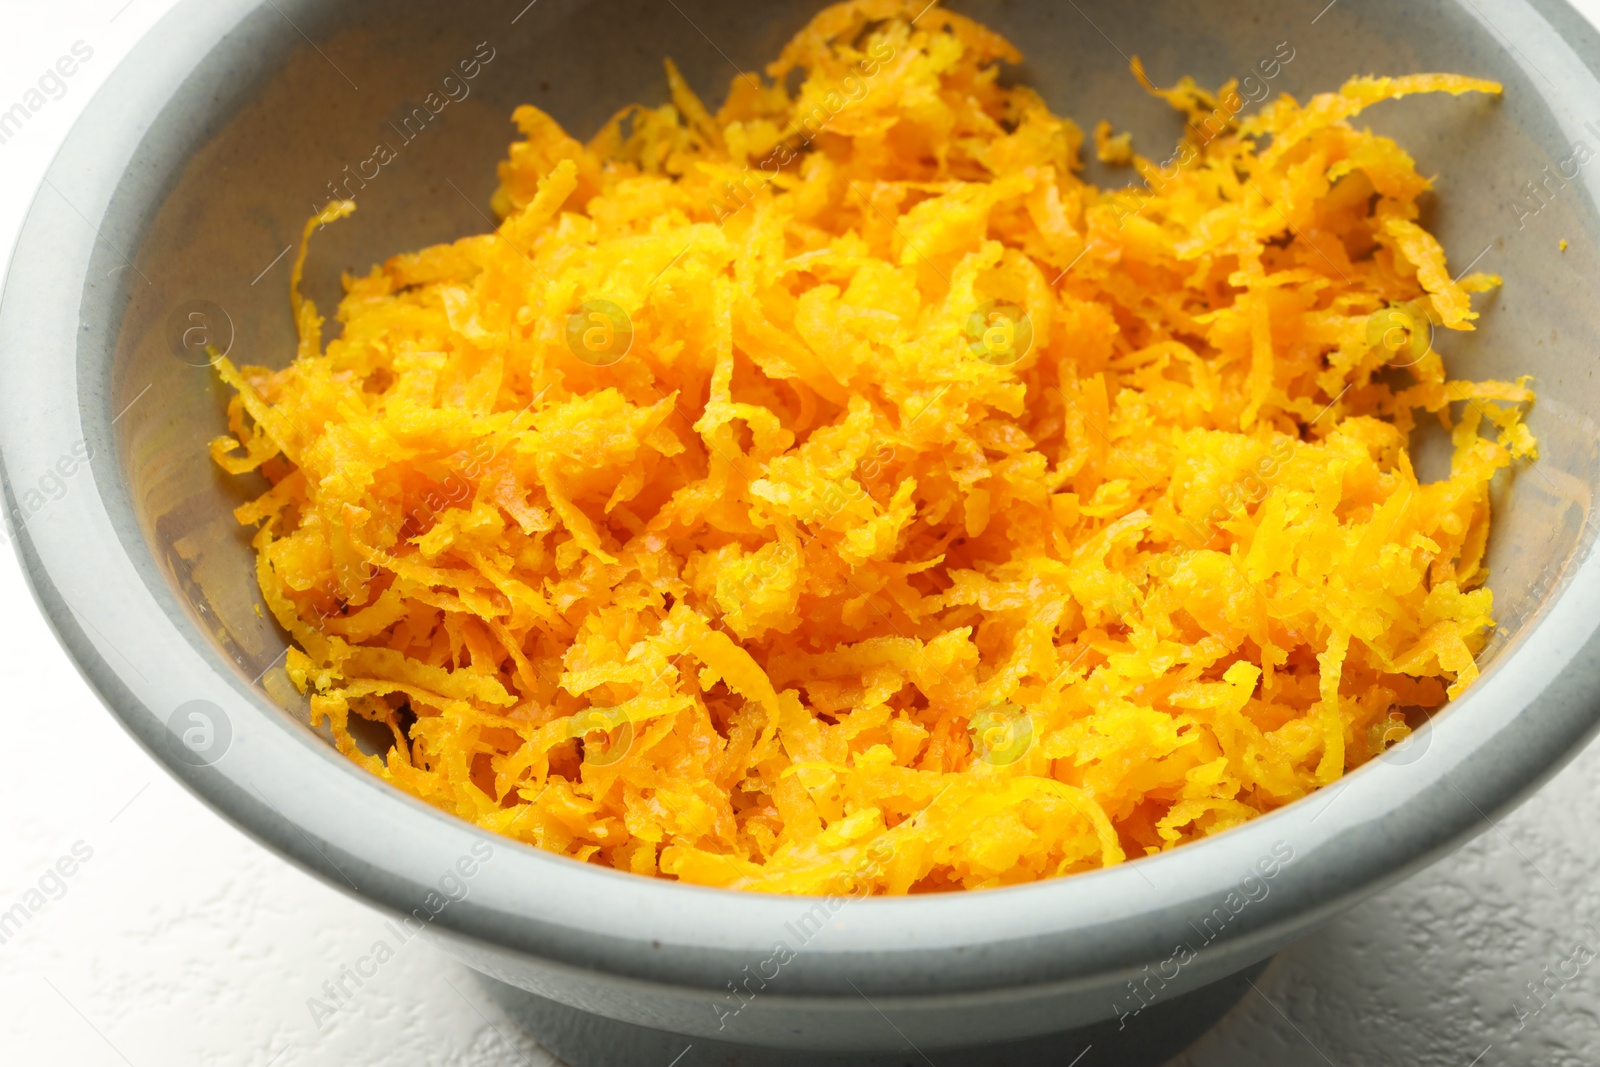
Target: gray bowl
[(170, 208)]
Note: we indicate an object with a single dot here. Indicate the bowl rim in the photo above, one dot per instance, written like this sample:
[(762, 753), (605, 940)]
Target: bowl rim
[(102, 592)]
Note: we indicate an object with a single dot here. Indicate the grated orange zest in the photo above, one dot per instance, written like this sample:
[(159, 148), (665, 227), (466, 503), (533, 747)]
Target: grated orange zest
[(824, 584)]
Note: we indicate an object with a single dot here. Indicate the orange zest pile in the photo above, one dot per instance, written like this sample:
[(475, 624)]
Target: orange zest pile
[(838, 493)]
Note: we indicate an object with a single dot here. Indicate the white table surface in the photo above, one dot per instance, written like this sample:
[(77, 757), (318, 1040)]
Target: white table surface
[(180, 941)]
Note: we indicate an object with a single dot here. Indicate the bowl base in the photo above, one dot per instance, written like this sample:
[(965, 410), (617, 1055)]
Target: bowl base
[(582, 1039)]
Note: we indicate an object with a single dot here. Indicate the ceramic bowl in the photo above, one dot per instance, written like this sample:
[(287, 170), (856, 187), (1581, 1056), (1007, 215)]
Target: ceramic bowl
[(173, 206)]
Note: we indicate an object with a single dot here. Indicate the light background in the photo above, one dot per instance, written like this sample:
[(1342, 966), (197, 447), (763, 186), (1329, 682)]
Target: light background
[(180, 941)]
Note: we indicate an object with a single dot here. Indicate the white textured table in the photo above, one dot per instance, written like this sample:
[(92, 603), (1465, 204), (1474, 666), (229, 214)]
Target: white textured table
[(174, 939)]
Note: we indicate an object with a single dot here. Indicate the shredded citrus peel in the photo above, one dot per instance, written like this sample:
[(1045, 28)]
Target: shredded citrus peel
[(948, 521)]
